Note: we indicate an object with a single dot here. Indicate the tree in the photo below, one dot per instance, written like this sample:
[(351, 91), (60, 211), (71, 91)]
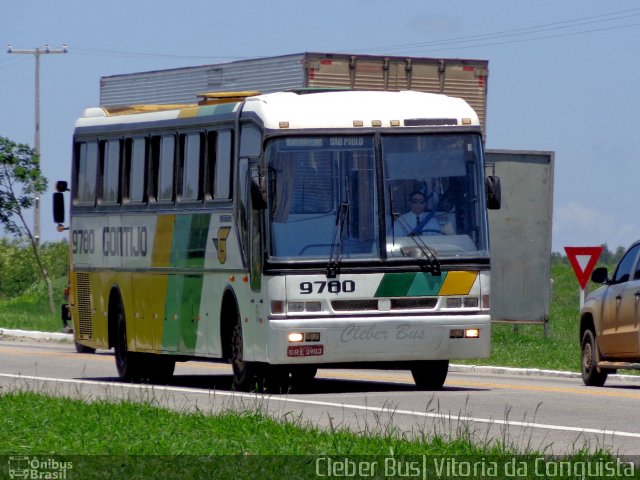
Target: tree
[(20, 180)]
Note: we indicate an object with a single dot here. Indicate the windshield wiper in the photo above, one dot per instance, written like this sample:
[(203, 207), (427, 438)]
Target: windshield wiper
[(342, 218), (428, 253)]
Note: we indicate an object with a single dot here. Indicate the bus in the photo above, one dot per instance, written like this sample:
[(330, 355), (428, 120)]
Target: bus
[(268, 231)]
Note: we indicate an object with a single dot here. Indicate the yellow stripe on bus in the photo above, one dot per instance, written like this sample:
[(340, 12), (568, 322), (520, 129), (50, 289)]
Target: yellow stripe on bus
[(162, 241), (458, 283)]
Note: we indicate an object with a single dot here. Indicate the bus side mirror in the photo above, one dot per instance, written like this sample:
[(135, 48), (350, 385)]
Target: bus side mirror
[(258, 192), (58, 207), (494, 192), (58, 204)]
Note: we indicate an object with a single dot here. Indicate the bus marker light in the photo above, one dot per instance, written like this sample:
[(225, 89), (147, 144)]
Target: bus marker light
[(245, 279), (358, 123), (232, 278), (296, 337), (486, 301), (277, 306), (395, 123), (283, 124), (472, 333)]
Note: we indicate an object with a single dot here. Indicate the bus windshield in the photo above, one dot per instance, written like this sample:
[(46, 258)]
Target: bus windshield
[(324, 197)]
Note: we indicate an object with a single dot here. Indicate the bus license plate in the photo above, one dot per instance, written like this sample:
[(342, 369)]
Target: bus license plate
[(305, 351)]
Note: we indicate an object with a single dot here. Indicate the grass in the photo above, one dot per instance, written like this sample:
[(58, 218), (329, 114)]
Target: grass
[(30, 311), (527, 346), (132, 440)]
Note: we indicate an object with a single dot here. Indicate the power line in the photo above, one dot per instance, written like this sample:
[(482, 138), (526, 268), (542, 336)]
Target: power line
[(37, 52), (546, 37), (521, 31), (117, 53)]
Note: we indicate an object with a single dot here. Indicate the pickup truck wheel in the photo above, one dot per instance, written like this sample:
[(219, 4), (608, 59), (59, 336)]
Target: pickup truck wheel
[(591, 374), (430, 375)]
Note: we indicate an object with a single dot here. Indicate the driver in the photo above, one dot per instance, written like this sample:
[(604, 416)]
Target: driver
[(417, 220)]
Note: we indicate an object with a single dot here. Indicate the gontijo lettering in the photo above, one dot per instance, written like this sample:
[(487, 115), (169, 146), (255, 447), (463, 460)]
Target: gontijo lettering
[(124, 241)]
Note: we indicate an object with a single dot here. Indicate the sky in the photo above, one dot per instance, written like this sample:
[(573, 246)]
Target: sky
[(563, 76)]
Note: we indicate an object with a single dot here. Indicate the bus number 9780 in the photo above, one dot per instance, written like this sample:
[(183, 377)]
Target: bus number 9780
[(332, 286)]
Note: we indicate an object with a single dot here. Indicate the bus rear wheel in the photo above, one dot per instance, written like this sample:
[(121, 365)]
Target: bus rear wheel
[(135, 366), (431, 374)]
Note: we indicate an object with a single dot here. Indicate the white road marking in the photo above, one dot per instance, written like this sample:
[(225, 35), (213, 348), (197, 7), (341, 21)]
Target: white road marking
[(366, 408)]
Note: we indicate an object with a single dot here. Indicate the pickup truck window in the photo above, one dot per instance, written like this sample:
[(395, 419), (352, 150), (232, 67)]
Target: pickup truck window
[(623, 272)]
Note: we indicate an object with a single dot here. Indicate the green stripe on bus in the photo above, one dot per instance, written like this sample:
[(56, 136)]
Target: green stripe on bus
[(395, 285), (184, 292), (409, 284), (426, 284)]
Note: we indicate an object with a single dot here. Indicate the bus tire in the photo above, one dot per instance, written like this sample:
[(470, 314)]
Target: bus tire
[(247, 376), (431, 374), (83, 348), (130, 365)]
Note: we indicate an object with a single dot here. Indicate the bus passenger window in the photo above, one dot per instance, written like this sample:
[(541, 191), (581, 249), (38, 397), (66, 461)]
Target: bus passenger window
[(191, 154), (111, 172), (164, 189), (137, 170), (86, 170), (221, 181)]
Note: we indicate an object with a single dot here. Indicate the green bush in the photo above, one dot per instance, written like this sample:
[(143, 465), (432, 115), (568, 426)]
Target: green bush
[(18, 268)]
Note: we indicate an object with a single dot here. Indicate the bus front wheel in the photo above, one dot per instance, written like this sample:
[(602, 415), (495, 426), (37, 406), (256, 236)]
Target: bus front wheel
[(246, 375), (431, 374)]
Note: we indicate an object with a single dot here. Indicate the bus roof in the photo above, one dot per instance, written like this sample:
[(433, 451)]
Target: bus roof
[(302, 110)]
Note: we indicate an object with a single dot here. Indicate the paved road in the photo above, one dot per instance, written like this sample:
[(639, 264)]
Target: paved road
[(554, 414)]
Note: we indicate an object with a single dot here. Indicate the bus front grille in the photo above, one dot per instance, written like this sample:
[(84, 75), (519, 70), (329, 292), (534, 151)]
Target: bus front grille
[(409, 303), (413, 303), (354, 305), (85, 326)]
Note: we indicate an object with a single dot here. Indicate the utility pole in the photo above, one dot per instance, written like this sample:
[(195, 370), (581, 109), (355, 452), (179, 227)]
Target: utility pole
[(36, 53)]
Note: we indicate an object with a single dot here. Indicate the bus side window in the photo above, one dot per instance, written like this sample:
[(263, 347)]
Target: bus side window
[(110, 172), (191, 157), (86, 173), (220, 154), (163, 168), (135, 182)]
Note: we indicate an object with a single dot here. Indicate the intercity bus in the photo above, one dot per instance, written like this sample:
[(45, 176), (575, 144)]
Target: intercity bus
[(267, 231)]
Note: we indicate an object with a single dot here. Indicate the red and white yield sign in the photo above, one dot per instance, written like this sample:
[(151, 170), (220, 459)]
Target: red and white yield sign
[(583, 260)]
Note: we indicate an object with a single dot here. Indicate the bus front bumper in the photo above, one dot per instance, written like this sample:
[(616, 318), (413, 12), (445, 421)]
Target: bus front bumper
[(374, 339)]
